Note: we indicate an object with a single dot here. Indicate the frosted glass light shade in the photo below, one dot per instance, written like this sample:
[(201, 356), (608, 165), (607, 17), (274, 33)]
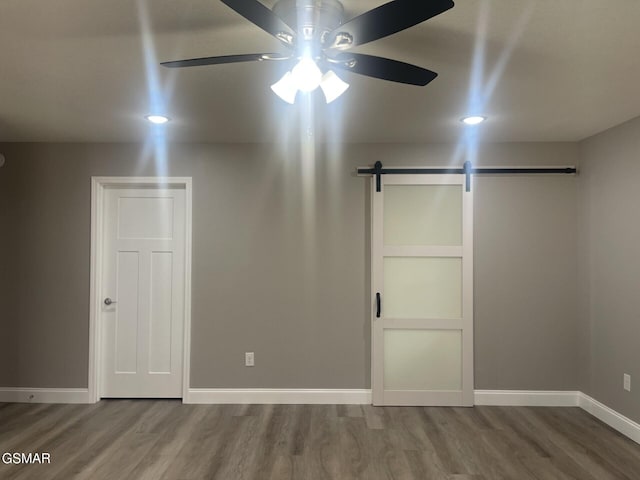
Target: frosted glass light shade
[(286, 88), (306, 75), (332, 86)]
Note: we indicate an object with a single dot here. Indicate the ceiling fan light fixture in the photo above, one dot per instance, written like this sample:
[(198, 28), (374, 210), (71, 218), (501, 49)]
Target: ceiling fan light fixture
[(473, 119), (317, 31), (286, 88), (157, 119), (332, 86), (306, 75)]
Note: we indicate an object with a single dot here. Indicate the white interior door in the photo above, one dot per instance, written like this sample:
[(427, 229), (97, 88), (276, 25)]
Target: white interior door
[(422, 281), (143, 294)]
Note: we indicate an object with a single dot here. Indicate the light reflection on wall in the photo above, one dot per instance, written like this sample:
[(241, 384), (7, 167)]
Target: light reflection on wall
[(155, 149), (481, 85), (309, 145)]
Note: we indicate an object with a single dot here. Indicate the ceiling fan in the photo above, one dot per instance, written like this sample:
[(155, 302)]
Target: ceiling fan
[(320, 41)]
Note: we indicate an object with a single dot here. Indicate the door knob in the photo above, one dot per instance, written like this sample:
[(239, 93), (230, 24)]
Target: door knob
[(108, 301)]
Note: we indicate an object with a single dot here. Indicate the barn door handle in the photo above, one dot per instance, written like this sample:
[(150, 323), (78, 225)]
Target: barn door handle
[(378, 305)]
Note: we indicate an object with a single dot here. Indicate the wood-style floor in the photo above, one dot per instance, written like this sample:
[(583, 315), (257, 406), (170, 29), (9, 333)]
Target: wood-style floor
[(143, 439)]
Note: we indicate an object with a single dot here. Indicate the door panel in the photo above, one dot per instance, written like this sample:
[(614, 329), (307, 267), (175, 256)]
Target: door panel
[(143, 273), (438, 222), (422, 360), (423, 287), (126, 315), (145, 217), (161, 312), (422, 342)]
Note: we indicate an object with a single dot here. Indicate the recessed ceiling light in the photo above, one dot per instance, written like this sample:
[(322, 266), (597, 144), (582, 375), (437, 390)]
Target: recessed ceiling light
[(473, 120), (157, 119)]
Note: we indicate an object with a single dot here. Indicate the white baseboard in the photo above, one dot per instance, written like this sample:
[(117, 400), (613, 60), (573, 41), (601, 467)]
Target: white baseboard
[(44, 395), (514, 398), (615, 420), (278, 396), (363, 397), (526, 398)]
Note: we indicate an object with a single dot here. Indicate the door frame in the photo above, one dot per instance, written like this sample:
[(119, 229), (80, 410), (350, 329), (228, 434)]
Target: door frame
[(466, 250), (98, 186)]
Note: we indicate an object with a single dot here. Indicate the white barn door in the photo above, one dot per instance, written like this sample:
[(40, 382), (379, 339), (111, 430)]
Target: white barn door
[(143, 294), (422, 291)]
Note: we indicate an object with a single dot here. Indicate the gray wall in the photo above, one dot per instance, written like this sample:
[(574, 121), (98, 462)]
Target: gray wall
[(8, 314), (280, 262), (610, 194)]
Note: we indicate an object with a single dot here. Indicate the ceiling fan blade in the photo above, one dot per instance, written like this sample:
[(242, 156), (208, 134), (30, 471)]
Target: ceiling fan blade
[(263, 17), (383, 68), (385, 20), (251, 57)]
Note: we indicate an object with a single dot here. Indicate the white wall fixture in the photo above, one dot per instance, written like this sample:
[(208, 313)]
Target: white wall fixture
[(249, 359)]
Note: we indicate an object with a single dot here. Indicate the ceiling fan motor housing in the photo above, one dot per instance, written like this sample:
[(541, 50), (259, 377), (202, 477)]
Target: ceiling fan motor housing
[(312, 19)]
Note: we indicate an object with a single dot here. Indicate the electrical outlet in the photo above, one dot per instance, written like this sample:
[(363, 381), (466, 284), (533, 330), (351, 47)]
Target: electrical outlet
[(249, 359), (627, 382)]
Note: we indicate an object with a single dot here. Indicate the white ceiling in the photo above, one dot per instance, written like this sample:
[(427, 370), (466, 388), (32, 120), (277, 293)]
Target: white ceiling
[(87, 70)]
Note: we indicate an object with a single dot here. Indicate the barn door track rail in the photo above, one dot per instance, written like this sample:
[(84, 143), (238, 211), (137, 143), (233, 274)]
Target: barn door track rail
[(378, 170)]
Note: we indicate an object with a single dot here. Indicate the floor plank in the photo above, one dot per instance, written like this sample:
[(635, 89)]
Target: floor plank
[(166, 440)]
